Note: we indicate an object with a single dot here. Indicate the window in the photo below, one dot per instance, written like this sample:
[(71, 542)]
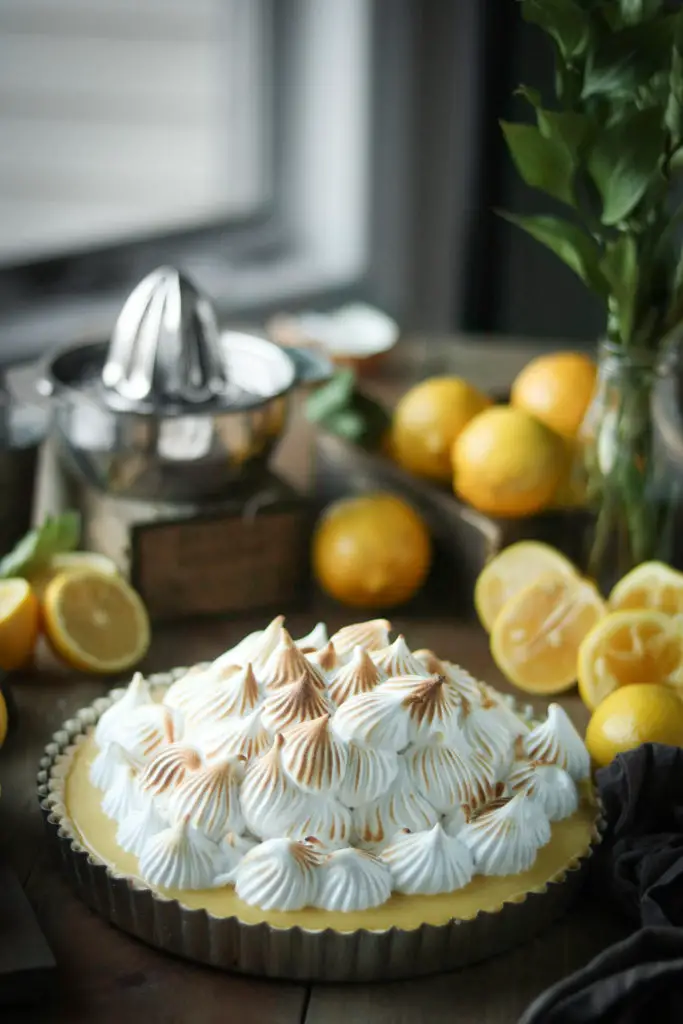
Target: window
[(121, 119), (283, 152)]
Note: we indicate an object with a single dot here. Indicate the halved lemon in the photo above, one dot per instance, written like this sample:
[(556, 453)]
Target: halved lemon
[(650, 585), (627, 647), (538, 632), (19, 618), (95, 621), (510, 571)]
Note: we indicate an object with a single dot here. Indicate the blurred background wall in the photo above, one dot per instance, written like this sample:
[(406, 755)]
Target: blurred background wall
[(286, 152)]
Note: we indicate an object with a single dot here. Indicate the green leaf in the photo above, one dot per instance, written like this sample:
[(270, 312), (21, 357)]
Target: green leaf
[(624, 160), (347, 424), (623, 62), (620, 266), (545, 164), (564, 20), (567, 128), (634, 11), (333, 396), (55, 536), (573, 246)]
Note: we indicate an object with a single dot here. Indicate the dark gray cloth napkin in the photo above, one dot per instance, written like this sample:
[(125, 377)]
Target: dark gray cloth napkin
[(640, 866)]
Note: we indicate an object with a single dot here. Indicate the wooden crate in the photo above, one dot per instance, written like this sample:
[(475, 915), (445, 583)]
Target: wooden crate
[(463, 538)]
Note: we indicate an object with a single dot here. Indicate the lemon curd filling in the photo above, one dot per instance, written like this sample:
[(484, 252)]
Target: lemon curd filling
[(569, 843)]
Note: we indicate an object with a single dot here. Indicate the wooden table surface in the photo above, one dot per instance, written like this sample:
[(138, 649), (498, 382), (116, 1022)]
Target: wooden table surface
[(107, 977)]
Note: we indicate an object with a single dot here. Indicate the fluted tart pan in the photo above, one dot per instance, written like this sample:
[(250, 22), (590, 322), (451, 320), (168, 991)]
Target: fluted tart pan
[(295, 953)]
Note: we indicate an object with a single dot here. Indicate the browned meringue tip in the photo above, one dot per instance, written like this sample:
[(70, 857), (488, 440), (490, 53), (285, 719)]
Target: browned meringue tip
[(325, 657), (278, 741), (425, 691)]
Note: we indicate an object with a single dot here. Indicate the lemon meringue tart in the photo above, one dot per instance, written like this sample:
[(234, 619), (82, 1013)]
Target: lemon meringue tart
[(337, 782)]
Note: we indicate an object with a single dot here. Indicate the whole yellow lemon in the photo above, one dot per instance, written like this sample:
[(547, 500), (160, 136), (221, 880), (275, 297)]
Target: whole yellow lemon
[(506, 463), (428, 419), (557, 389), (631, 715), (372, 551)]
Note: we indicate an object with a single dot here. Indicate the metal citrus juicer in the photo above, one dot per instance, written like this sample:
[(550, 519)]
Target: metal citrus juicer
[(165, 434)]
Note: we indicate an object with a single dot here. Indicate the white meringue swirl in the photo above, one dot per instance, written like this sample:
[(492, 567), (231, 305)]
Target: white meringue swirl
[(352, 879), (358, 675), (550, 785), (231, 849), (123, 795), (314, 640), (400, 807), (279, 874), (136, 695), (209, 799), (427, 863), (398, 660), (378, 719), (256, 648), (505, 836), (244, 737), (139, 826), (314, 757), (372, 636), (369, 773), (322, 818), (270, 800), (179, 857), (557, 742)]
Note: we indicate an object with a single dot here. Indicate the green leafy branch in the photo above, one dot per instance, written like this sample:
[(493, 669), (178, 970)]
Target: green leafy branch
[(609, 149)]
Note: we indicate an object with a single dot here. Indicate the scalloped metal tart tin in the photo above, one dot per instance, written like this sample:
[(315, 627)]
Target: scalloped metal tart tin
[(295, 952)]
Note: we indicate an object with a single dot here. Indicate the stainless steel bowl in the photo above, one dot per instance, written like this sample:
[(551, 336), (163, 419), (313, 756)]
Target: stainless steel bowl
[(176, 453)]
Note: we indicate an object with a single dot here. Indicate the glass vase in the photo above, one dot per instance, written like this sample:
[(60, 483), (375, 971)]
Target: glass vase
[(632, 460)]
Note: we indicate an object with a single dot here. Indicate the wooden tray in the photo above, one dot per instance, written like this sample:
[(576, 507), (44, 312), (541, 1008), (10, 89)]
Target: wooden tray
[(463, 538)]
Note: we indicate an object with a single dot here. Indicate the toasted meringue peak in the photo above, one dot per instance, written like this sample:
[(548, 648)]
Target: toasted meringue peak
[(234, 694), (287, 664), (231, 849), (487, 732), (111, 757), (314, 640), (148, 729), (138, 826), (314, 756), (123, 793), (209, 799), (185, 689), (323, 817), (243, 737), (428, 862), (279, 874), (462, 680), (557, 742), (270, 800), (429, 661), (295, 702), (136, 695), (369, 773), (352, 879), (179, 858), (433, 707), (504, 837), (444, 776), (549, 784), (400, 807), (398, 660), (376, 719), (359, 675), (256, 648), (325, 659), (168, 770), (372, 636), (487, 784)]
